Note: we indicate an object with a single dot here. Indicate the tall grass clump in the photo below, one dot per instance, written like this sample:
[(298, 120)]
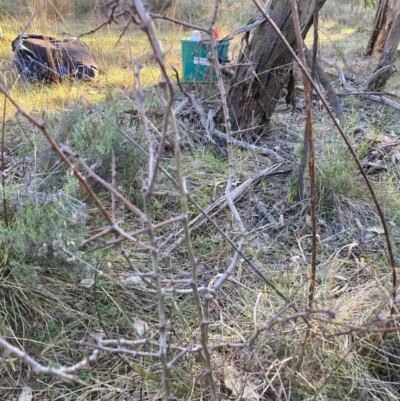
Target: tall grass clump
[(339, 183), (337, 175)]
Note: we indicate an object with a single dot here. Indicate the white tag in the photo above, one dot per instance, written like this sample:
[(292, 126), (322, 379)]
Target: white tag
[(201, 61)]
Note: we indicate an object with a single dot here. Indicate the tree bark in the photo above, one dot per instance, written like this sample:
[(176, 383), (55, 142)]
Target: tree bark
[(255, 90), (384, 41), (330, 92), (384, 17)]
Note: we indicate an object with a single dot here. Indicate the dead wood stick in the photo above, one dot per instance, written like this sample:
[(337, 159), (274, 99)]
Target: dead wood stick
[(211, 130), (222, 203), (264, 213), (383, 100), (181, 106), (374, 98), (293, 134), (245, 145), (368, 93)]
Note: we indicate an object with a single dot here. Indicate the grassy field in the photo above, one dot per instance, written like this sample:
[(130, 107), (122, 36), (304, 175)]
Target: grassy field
[(58, 297), (115, 56)]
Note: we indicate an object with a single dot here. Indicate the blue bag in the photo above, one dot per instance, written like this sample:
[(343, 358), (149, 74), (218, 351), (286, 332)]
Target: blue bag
[(40, 57)]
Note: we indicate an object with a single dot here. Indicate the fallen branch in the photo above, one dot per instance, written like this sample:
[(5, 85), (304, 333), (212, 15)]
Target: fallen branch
[(222, 203), (212, 131), (366, 95), (245, 145)]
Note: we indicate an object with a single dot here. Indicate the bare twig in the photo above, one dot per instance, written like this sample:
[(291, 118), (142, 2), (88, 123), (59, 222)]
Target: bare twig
[(196, 205), (147, 26), (221, 203), (66, 373), (180, 22), (231, 267)]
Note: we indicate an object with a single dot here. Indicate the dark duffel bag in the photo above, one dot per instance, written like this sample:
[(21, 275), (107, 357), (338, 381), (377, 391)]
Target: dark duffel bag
[(40, 57)]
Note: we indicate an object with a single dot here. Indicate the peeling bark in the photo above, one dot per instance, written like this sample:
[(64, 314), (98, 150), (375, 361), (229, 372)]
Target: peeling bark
[(255, 90), (384, 41)]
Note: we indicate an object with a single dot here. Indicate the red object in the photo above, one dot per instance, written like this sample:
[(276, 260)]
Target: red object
[(215, 33)]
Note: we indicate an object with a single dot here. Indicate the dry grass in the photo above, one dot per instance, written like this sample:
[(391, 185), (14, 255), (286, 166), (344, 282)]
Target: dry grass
[(115, 56)]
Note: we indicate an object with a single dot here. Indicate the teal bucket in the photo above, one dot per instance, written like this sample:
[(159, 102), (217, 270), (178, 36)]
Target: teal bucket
[(195, 64)]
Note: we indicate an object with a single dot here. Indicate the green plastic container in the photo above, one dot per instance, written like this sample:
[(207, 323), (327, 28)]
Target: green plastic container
[(195, 64)]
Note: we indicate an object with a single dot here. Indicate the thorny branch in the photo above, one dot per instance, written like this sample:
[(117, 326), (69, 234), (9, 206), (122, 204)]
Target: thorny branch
[(66, 373), (127, 347), (146, 24)]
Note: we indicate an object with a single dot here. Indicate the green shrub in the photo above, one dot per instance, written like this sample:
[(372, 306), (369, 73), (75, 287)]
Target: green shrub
[(94, 139), (43, 234)]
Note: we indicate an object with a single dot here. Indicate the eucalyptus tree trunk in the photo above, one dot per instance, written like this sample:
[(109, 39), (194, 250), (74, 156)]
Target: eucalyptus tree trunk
[(256, 88), (384, 41)]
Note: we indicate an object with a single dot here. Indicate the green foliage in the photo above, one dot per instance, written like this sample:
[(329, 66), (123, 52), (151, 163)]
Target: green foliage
[(95, 139), (369, 3), (47, 217), (38, 234)]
